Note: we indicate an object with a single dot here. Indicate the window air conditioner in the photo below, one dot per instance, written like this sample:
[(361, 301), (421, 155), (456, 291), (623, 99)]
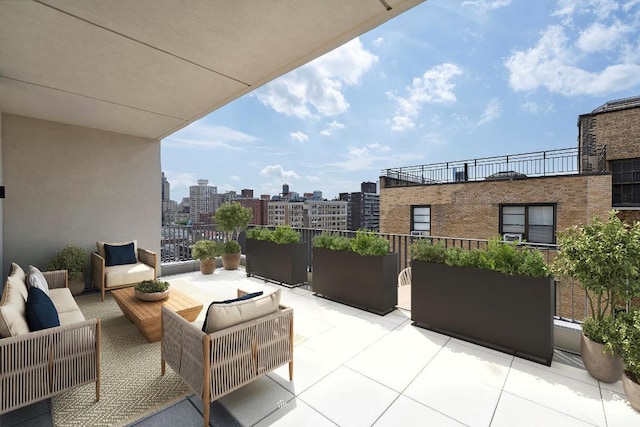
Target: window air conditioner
[(512, 237), (418, 233)]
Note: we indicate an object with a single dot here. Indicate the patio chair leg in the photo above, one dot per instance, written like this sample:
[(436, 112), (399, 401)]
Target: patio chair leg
[(162, 366), (291, 371)]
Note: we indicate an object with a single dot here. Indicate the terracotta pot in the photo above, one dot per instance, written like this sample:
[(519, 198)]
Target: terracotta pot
[(207, 266), (76, 286), (632, 390), (152, 296), (231, 261), (601, 365)]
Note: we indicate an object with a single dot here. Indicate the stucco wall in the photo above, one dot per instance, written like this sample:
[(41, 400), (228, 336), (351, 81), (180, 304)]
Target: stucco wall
[(73, 185), (472, 210)]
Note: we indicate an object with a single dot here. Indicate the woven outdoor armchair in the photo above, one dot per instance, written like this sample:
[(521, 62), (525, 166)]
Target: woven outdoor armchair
[(218, 363)]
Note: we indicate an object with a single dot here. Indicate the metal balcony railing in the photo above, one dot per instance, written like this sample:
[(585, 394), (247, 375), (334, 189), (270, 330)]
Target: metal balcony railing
[(570, 298), (565, 161)]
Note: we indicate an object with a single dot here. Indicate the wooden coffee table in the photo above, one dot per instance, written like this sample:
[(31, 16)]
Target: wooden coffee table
[(146, 314)]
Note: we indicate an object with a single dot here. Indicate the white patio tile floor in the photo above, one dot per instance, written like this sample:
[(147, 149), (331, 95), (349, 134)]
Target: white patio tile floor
[(354, 368)]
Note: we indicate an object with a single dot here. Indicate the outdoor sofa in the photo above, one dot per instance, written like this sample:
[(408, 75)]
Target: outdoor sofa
[(35, 365)]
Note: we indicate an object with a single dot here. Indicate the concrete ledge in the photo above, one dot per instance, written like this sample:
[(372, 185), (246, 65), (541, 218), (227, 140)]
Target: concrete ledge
[(566, 336), (181, 267)]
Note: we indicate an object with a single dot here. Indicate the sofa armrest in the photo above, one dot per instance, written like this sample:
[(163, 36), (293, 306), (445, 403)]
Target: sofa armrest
[(149, 258), (57, 278), (183, 349), (97, 270), (52, 354)]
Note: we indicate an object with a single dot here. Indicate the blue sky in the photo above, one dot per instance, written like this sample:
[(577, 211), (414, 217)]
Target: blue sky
[(448, 80)]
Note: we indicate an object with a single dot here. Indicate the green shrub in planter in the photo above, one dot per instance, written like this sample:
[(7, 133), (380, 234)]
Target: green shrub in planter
[(628, 342), (232, 218), (259, 233), (71, 258), (364, 243), (283, 234), (332, 241), (205, 249), (604, 257), (230, 247), (505, 257)]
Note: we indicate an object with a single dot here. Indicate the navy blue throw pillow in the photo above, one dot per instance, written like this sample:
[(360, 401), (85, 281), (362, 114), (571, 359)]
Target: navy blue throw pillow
[(228, 301), (40, 311), (119, 255)]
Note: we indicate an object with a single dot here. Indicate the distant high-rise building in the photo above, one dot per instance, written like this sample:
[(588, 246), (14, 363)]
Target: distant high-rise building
[(285, 190), (317, 195), (363, 210), (368, 187), (258, 209), (203, 201), (167, 218), (247, 193), (325, 215)]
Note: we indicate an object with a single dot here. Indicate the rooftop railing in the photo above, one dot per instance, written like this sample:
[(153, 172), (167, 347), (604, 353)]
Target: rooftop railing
[(518, 166), (570, 299)]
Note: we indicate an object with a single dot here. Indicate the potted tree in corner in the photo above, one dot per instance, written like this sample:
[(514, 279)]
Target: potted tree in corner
[(206, 251), (628, 345), (232, 218), (74, 260), (359, 271), (604, 257)]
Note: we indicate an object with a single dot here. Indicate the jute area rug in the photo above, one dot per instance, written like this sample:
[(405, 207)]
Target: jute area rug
[(132, 385)]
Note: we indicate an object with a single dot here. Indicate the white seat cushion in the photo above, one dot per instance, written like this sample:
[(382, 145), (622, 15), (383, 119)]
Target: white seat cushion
[(223, 315), (119, 275)]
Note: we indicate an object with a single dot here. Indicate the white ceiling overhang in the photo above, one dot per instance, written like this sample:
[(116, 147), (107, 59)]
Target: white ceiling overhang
[(151, 67)]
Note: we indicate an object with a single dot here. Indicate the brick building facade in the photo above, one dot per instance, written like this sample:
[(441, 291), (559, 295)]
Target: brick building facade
[(607, 176)]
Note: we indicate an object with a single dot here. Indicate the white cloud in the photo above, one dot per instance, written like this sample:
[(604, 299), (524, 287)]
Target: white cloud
[(401, 123), (552, 64), (363, 158), (599, 37), (378, 41), (332, 127), (601, 9), (312, 178), (630, 5), (435, 86), (316, 88), (205, 136), (234, 178), (491, 112), (299, 136), (277, 171), (536, 108), (485, 5)]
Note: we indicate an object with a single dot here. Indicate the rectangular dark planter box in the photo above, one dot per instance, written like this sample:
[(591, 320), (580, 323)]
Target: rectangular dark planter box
[(512, 314), (282, 263), (366, 282)]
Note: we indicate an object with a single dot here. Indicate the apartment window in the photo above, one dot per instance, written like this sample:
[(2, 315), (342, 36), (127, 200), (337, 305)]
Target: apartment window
[(421, 220), (534, 223), (626, 182)]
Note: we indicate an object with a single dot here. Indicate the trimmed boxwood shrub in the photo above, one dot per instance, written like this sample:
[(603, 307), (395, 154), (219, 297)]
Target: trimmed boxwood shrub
[(505, 257)]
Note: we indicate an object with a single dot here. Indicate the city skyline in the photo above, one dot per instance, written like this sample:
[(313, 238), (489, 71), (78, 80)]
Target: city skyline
[(445, 81)]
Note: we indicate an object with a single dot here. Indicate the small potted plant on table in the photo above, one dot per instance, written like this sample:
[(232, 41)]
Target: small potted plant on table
[(152, 290)]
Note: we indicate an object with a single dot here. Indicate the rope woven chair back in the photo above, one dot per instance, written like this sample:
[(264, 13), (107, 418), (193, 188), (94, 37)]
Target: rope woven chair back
[(404, 278)]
